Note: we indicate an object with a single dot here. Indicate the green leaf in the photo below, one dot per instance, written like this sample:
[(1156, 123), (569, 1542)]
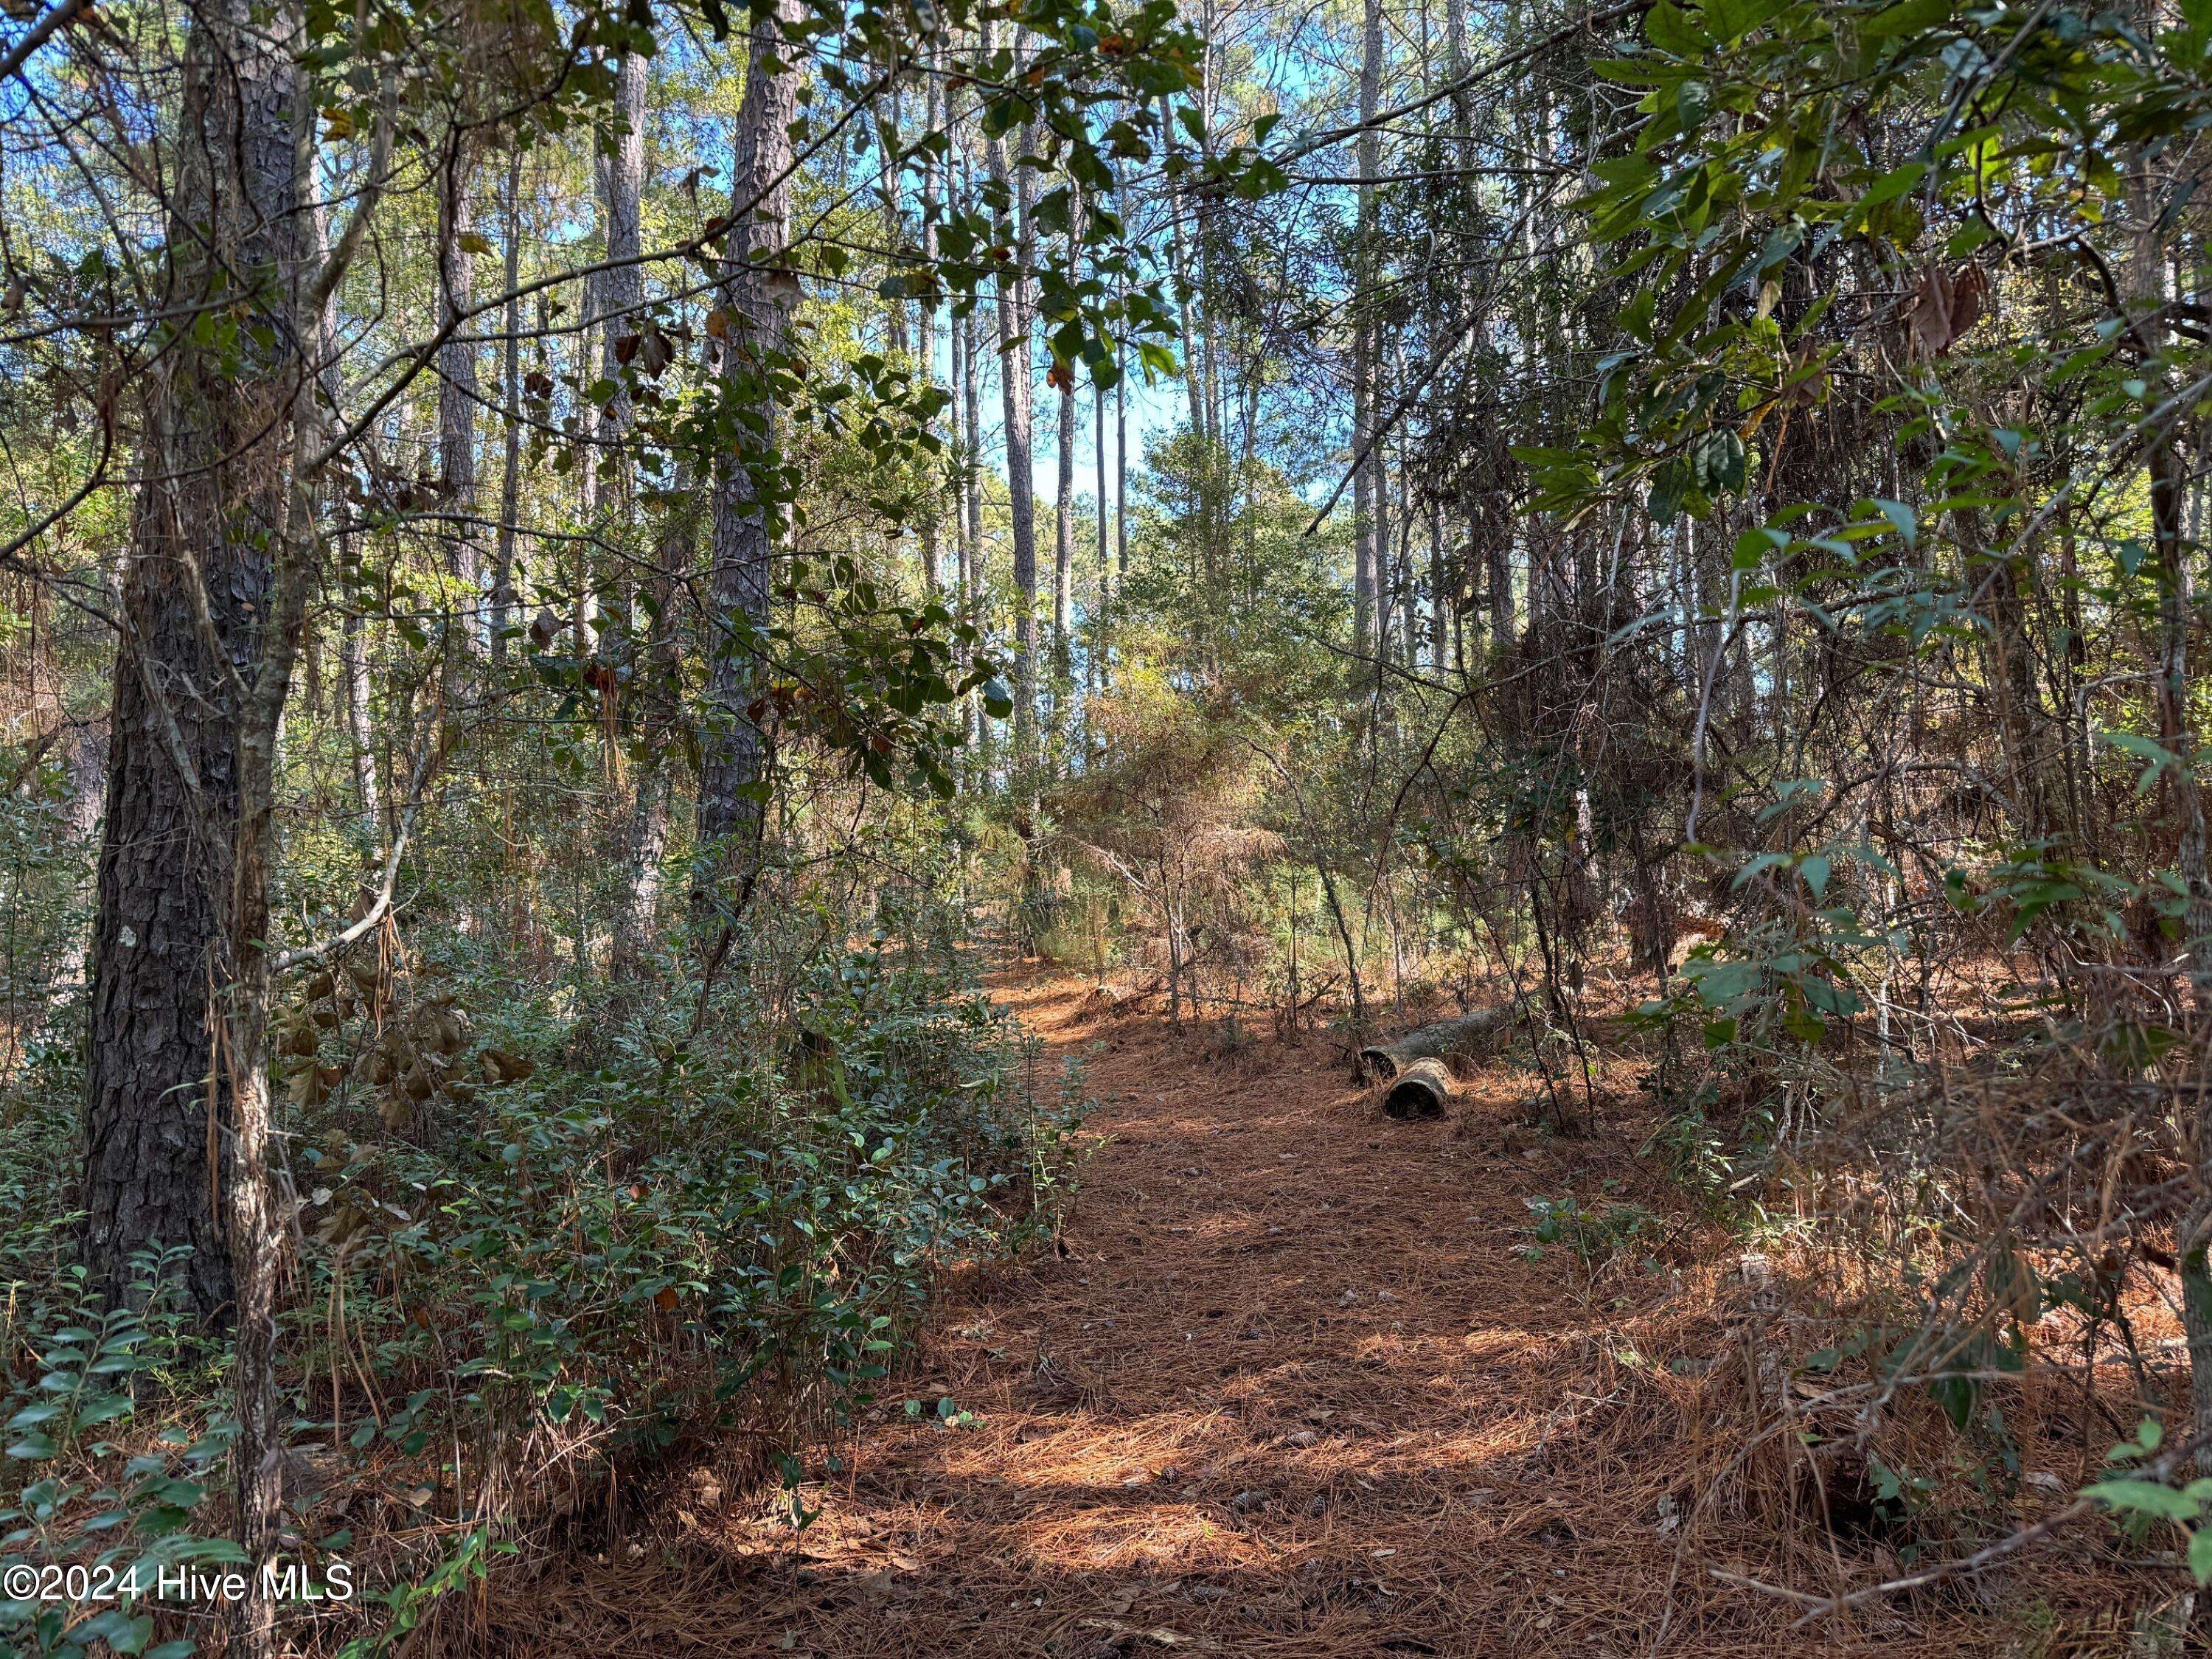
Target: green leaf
[(1956, 1395), (2144, 1498), (1668, 28), (122, 1631), (1890, 186), (1907, 521), (1717, 462), (1911, 17), (2200, 1554), (1670, 482)]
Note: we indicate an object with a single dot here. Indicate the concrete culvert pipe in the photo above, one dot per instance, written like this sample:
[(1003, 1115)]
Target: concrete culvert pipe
[(1423, 1089), (1470, 1033)]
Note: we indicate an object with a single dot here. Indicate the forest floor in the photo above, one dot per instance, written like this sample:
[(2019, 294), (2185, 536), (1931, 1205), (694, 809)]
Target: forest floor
[(1289, 1386)]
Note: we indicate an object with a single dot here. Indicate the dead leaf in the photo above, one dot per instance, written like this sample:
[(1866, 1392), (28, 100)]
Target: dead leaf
[(1943, 307)]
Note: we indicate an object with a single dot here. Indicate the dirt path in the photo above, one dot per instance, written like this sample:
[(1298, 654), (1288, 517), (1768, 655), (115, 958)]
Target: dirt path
[(1292, 1389)]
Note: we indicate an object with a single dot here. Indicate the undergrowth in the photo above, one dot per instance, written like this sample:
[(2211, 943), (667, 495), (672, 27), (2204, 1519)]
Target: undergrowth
[(597, 1235)]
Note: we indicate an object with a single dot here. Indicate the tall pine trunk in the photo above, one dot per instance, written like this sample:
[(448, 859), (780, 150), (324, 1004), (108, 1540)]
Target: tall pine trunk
[(1096, 666), (510, 399), (457, 379), (1063, 553), (622, 285), (643, 818), (1015, 230), (202, 531), (756, 293), (932, 578), (1063, 538), (1370, 600), (645, 843)]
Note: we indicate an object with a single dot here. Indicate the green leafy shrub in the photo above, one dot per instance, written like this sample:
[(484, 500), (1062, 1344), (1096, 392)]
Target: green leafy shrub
[(607, 1258), (596, 1253), (1594, 1237), (96, 1502)]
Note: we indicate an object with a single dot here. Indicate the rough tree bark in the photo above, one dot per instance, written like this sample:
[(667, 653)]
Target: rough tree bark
[(2169, 471), (1063, 527), (353, 660), (644, 816), (755, 292), (84, 771), (510, 399), (1094, 667), (195, 590), (646, 843), (622, 285), (967, 430), (1015, 230), (925, 323), (457, 378), (1369, 600), (1121, 479)]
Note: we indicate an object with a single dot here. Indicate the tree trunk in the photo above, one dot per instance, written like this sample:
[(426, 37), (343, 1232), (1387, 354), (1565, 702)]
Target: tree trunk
[(257, 1236), (84, 771), (1095, 671), (1439, 591), (963, 555), (1016, 230), (1370, 600), (622, 285), (457, 381), (225, 560), (584, 596), (1063, 546), (1121, 482), (971, 438), (644, 816), (203, 528), (756, 293), (352, 658), (1409, 585), (1180, 276), (970, 419), (1175, 963), (1063, 549), (510, 398), (926, 328), (646, 843)]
